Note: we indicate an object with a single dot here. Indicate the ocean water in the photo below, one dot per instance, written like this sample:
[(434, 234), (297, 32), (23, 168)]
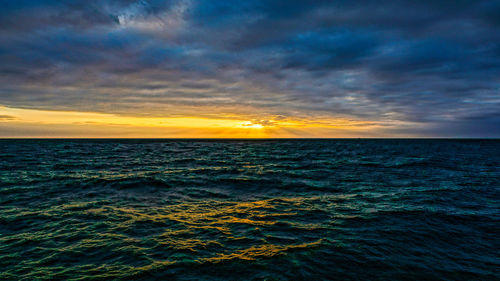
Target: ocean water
[(249, 209)]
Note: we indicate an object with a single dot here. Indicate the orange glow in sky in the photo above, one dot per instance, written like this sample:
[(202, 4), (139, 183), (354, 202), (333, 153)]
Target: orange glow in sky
[(16, 122)]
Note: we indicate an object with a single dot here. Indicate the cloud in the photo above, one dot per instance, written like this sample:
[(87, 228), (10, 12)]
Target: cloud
[(431, 63), (7, 118)]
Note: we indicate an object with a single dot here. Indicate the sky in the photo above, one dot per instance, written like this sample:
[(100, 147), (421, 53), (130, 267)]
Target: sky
[(249, 69)]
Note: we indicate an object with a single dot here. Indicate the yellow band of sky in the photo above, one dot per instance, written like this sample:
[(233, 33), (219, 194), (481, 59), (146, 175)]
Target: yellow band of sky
[(17, 122)]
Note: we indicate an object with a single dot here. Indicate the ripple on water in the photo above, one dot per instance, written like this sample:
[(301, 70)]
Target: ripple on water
[(276, 210)]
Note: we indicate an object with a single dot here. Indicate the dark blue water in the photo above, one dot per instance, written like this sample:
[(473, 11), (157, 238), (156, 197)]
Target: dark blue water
[(249, 210)]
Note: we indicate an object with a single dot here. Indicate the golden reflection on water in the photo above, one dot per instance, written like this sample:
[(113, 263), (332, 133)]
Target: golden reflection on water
[(223, 217), (161, 236), (262, 251)]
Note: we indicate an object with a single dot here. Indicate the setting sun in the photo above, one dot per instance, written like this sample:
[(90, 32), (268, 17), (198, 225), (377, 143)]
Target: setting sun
[(251, 125)]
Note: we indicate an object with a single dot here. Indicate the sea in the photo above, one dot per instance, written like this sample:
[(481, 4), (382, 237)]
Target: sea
[(201, 209)]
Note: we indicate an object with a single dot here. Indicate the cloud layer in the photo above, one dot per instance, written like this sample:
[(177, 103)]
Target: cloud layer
[(429, 68)]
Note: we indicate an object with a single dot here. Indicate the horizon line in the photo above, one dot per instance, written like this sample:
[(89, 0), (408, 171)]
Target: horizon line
[(236, 138)]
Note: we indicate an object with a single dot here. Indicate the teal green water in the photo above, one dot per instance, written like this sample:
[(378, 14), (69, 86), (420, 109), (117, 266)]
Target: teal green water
[(249, 210)]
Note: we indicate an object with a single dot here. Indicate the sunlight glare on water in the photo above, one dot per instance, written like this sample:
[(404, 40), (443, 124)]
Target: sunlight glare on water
[(235, 209)]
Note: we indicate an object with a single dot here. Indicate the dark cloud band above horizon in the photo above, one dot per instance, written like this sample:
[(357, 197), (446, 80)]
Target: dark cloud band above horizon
[(435, 64)]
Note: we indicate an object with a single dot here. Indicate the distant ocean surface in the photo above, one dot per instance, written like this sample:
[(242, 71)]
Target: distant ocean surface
[(249, 209)]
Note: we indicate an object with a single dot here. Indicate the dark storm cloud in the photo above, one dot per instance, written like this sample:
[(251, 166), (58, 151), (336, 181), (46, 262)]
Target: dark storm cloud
[(434, 63)]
